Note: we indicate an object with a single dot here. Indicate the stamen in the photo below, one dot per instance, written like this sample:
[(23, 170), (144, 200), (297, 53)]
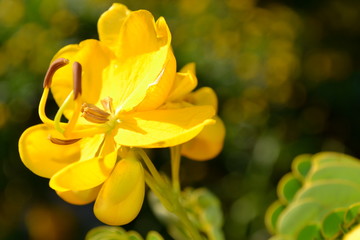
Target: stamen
[(74, 118), (94, 118), (58, 63), (77, 70), (94, 114), (41, 109), (107, 104), (92, 109), (63, 141)]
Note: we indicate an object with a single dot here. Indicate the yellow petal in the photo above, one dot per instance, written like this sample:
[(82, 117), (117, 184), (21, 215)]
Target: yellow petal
[(127, 82), (142, 57), (110, 23), (94, 58), (163, 128), (208, 144), (354, 234), (43, 157), (159, 91), (85, 174), (140, 34), (203, 96), (80, 197), (121, 197), (184, 83)]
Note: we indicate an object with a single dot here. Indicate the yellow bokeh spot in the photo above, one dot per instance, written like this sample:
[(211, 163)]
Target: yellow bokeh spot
[(281, 68), (11, 12), (18, 46), (189, 7), (64, 23), (248, 65), (323, 65), (241, 4)]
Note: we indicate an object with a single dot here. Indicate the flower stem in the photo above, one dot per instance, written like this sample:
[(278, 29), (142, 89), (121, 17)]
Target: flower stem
[(167, 193), (149, 164), (175, 167)]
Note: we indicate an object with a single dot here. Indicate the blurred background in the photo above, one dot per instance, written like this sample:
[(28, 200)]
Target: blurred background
[(287, 74)]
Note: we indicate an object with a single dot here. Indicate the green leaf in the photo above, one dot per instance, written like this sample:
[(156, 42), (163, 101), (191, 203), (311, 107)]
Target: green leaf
[(152, 235), (352, 215), (335, 170), (322, 158), (297, 215), (204, 211), (281, 238), (301, 166), (332, 224), (106, 233), (132, 235), (272, 215), (310, 232), (331, 193), (310, 196), (287, 188)]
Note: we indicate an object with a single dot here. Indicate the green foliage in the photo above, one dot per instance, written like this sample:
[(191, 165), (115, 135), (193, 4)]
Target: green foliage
[(202, 208), (118, 233), (319, 199)]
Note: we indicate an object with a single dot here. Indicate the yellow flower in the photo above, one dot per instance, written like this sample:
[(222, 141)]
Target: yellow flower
[(354, 234), (112, 97), (209, 142)]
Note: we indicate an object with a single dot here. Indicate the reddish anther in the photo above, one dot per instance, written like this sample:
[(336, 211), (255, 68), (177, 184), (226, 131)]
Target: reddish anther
[(63, 141), (77, 70), (55, 65)]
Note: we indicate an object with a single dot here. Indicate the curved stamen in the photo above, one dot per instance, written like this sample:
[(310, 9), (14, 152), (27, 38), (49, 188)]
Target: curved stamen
[(77, 70), (42, 104), (77, 89), (68, 129), (55, 65), (58, 63), (63, 141)]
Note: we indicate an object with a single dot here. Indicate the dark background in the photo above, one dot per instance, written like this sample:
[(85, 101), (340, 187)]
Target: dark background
[(287, 77)]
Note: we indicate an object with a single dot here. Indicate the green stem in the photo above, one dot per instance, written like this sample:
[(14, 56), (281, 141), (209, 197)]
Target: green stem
[(193, 231), (169, 195), (175, 167), (149, 165)]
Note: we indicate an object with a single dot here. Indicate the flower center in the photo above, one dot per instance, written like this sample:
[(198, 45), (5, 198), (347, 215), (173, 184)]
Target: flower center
[(71, 130), (94, 114)]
